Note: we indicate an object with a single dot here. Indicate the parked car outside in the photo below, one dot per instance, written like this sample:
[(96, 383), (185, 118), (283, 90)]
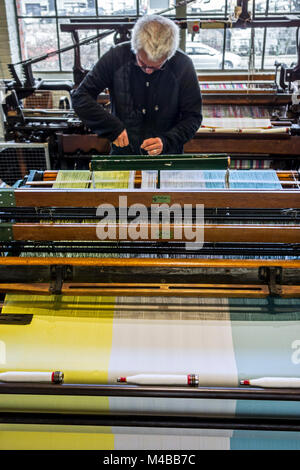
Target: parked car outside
[(206, 57), (208, 6)]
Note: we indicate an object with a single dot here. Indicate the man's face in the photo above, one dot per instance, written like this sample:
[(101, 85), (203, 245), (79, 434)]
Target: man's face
[(147, 65)]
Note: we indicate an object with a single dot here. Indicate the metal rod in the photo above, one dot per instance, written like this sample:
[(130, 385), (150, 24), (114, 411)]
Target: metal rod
[(264, 22), (148, 262), (124, 390), (153, 421)]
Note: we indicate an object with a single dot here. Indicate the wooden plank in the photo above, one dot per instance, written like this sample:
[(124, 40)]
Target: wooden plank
[(212, 233), (290, 291), (240, 144), (168, 290), (240, 199), (23, 288), (236, 77), (148, 262), (73, 142), (238, 97), (268, 93), (135, 289), (247, 99)]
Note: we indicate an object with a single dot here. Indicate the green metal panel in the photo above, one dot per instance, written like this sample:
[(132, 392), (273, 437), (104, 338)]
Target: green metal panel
[(161, 198), (6, 232), (7, 198)]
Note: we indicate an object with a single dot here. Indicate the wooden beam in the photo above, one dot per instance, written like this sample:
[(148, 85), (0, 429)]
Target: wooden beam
[(149, 290), (148, 262), (256, 144), (213, 233), (236, 77), (230, 198)]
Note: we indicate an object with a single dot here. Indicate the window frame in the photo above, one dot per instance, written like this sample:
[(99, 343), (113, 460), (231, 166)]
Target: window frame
[(263, 13)]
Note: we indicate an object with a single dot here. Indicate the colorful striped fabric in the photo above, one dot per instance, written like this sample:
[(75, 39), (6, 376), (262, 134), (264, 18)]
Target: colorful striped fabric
[(247, 164), (223, 86), (51, 437), (237, 111), (234, 122), (216, 179), (97, 339)]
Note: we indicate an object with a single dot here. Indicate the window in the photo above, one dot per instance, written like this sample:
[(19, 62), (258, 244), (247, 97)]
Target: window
[(39, 28), (267, 45), (213, 49)]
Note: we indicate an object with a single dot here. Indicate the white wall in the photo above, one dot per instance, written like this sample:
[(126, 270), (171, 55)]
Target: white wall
[(9, 50)]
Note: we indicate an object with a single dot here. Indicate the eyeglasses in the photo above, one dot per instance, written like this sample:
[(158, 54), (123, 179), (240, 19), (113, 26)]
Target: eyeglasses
[(146, 67)]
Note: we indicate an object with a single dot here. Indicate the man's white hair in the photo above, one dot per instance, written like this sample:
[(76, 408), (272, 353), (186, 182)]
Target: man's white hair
[(156, 35)]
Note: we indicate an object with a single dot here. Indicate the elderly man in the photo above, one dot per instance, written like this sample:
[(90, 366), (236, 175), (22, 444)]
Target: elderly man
[(154, 92)]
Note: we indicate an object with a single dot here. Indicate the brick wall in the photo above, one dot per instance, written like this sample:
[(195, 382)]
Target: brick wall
[(9, 47)]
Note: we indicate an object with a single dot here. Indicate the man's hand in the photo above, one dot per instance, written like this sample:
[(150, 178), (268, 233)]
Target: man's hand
[(153, 146), (122, 139)]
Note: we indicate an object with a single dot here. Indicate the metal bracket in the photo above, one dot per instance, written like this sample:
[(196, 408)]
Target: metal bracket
[(7, 198), (296, 98), (6, 232), (293, 213), (59, 274), (273, 277)]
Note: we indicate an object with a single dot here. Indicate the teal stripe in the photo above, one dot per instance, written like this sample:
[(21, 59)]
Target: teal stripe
[(266, 344), (270, 309), (265, 440), (254, 179), (242, 179), (268, 408), (214, 179)]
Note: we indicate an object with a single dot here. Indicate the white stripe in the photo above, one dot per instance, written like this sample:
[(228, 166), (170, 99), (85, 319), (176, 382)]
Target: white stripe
[(173, 406), (174, 346), (171, 439)]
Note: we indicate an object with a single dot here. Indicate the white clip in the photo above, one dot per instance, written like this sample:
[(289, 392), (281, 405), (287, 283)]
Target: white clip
[(296, 98)]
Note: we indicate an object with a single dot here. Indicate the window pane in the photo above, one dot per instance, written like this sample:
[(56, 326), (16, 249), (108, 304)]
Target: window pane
[(38, 37), (277, 6), (280, 46), (207, 6), (106, 44), (238, 42), (156, 6), (260, 6), (122, 8), (105, 7), (281, 6), (206, 51), (35, 8), (76, 7), (295, 5), (88, 53)]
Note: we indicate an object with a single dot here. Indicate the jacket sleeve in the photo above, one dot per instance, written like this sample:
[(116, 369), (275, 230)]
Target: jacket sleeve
[(190, 110), (84, 99)]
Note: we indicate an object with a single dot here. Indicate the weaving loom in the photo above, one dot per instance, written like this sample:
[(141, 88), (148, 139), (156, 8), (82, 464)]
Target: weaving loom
[(98, 310), (247, 115)]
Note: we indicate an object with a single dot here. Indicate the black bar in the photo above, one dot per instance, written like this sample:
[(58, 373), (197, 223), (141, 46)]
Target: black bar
[(70, 27), (265, 22), (226, 393), (27, 274), (191, 422)]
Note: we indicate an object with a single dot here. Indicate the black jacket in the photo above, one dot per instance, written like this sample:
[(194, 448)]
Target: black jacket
[(165, 104)]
